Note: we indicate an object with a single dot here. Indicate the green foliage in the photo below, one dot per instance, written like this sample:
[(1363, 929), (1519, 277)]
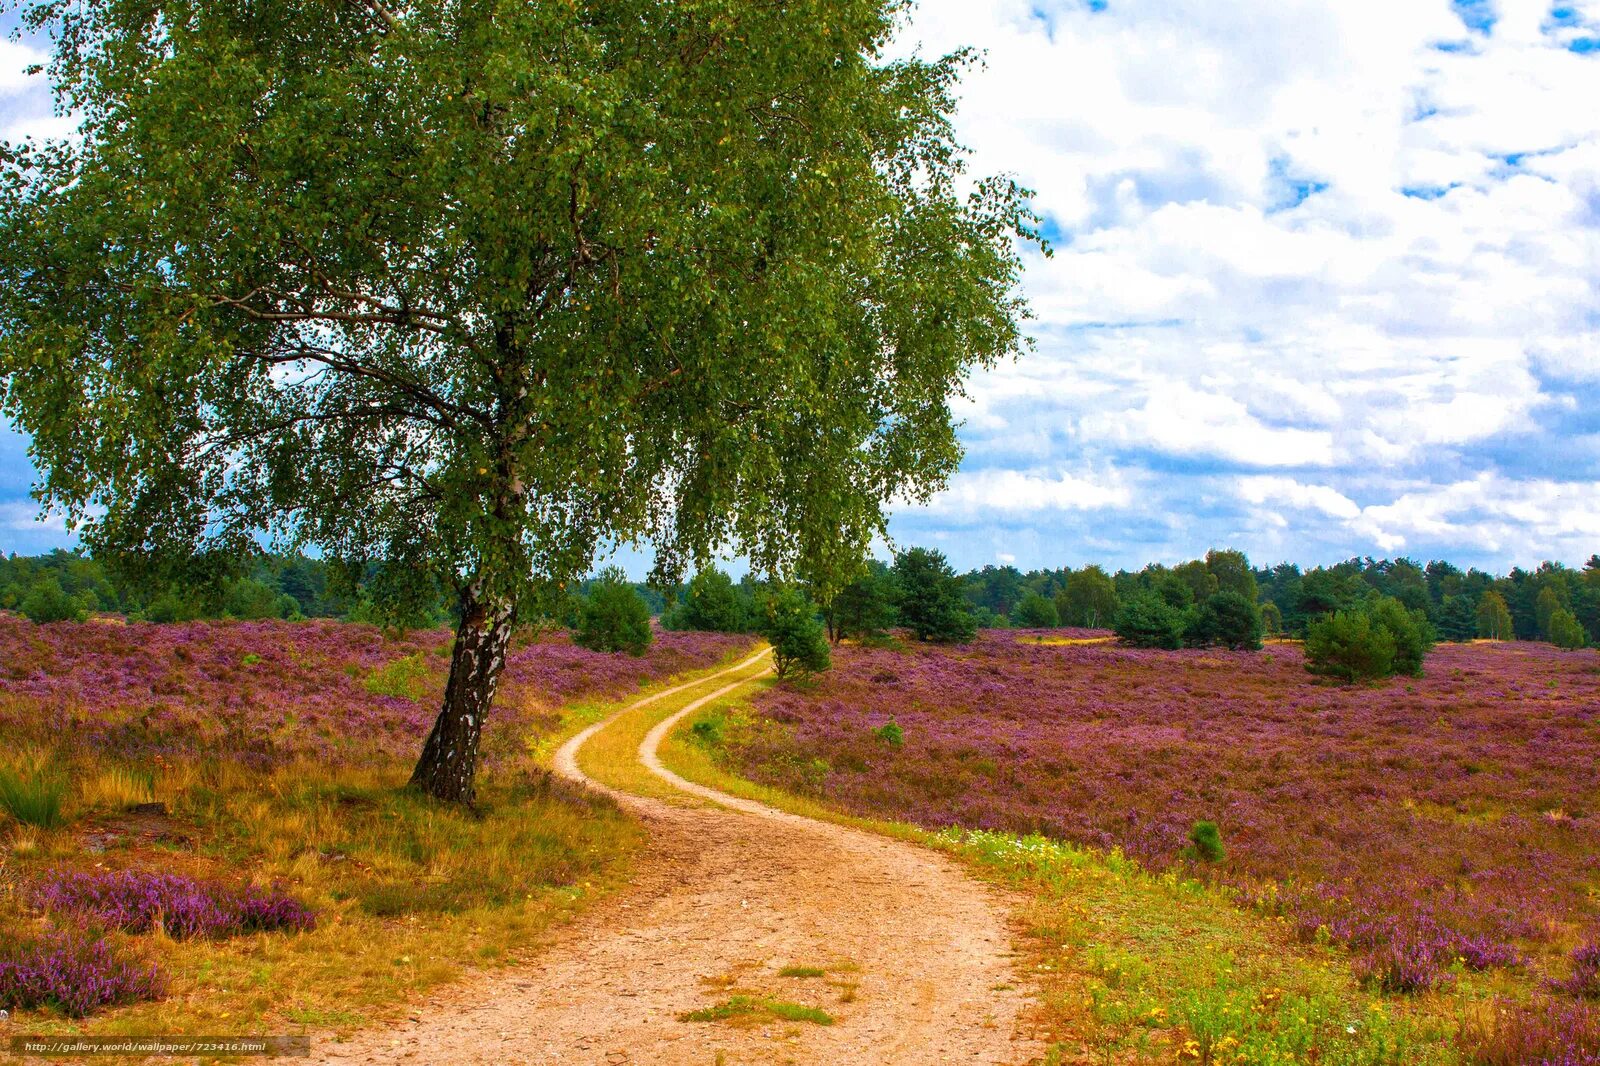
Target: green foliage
[(1458, 619), (1089, 599), (1148, 621), (253, 599), (406, 678), (1033, 611), (890, 733), (1349, 646), (1566, 631), (713, 603), (1412, 634), (931, 603), (31, 791), (799, 643), (173, 606), (47, 601), (681, 263), (1172, 590), (614, 617), (707, 732), (1198, 577), (1232, 573), (1228, 619), (1545, 605), (1271, 619), (866, 606), (1494, 617), (1205, 841)]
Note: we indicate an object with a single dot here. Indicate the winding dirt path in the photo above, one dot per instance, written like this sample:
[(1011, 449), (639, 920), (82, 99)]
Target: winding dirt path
[(914, 954)]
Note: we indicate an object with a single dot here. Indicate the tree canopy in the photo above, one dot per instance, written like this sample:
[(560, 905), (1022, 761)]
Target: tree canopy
[(469, 291)]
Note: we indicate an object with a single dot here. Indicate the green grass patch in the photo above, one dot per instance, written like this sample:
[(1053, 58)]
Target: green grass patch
[(752, 1007), (410, 678), (802, 971), (32, 790)]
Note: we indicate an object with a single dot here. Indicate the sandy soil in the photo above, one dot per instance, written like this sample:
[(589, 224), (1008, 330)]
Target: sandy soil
[(917, 958)]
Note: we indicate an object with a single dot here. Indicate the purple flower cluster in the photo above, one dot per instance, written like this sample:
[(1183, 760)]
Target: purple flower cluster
[(135, 901), (73, 973), (268, 692), (1585, 979), (1426, 823)]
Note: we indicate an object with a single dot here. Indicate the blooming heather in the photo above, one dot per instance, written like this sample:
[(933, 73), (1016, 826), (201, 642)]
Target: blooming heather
[(268, 692), (73, 973), (1426, 823), (1585, 979), (135, 901)]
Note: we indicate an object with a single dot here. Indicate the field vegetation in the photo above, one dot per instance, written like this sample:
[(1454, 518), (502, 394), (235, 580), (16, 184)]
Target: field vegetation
[(1388, 833), (206, 824)]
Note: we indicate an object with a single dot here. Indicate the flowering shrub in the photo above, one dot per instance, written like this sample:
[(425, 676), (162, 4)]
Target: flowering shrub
[(1403, 965), (72, 973), (1412, 814), (266, 693), (135, 900)]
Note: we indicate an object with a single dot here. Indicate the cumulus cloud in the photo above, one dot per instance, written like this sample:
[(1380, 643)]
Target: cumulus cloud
[(979, 495), (1355, 242)]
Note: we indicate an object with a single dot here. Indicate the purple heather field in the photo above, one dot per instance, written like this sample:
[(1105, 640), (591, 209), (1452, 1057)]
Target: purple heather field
[(1430, 824), (267, 692)]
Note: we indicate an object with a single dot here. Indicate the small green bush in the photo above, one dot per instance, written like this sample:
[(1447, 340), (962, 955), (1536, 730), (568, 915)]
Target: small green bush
[(799, 641), (1349, 646), (614, 617), (1566, 631), (707, 732), (1227, 618), (406, 678), (890, 733), (1149, 622), (1206, 842)]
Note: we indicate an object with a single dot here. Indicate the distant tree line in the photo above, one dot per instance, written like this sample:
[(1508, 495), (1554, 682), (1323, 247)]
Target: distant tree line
[(1552, 602), (1220, 598)]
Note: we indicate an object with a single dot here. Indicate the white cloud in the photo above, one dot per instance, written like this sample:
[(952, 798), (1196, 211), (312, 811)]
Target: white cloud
[(1493, 513), (1287, 491), (15, 59), (978, 494), (1299, 234), (23, 516)]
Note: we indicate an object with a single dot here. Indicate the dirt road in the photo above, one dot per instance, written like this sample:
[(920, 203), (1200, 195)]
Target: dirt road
[(906, 955)]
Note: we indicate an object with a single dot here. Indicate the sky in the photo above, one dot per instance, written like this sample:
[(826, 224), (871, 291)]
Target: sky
[(1325, 283)]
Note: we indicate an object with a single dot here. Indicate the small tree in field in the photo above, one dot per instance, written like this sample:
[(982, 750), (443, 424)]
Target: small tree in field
[(799, 642), (614, 617), (456, 293), (1411, 631), (1033, 611), (1349, 646)]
